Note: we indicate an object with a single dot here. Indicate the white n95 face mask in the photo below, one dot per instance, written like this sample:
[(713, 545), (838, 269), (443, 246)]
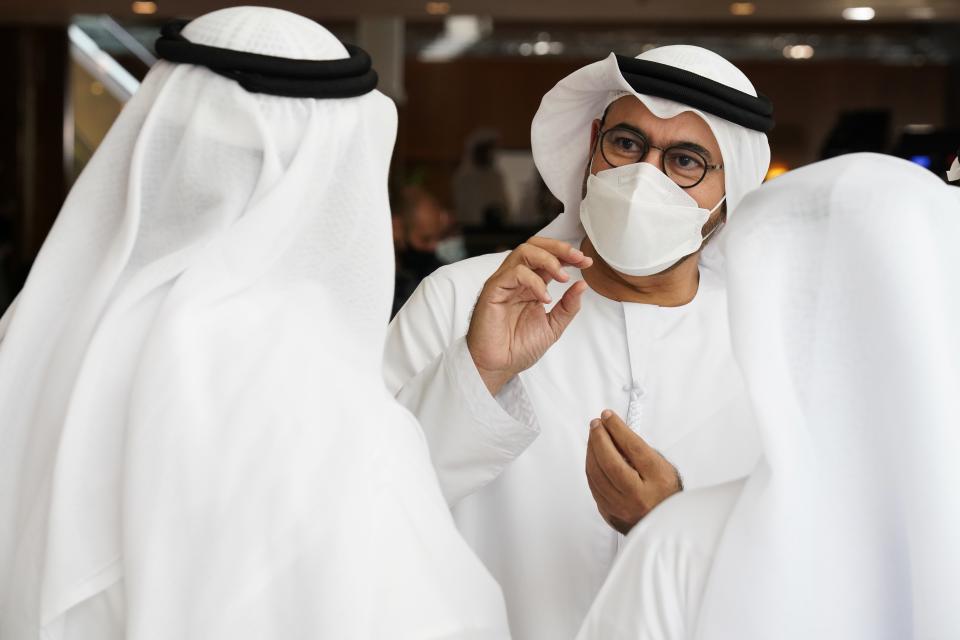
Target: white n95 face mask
[(639, 220)]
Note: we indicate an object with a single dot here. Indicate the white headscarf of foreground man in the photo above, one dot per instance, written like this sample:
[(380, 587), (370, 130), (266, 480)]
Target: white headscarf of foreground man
[(196, 441), (511, 460), (843, 307)]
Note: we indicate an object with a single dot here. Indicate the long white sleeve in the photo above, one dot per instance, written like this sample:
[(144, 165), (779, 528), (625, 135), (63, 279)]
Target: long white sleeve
[(472, 435)]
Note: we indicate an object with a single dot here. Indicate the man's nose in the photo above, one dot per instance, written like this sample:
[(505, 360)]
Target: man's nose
[(654, 156)]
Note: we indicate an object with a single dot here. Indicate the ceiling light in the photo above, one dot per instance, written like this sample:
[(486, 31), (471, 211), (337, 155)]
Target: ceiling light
[(144, 8), (798, 52), (438, 8), (861, 14), (743, 8)]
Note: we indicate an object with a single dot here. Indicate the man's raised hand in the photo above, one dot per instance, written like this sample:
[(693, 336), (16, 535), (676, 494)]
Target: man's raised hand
[(510, 329)]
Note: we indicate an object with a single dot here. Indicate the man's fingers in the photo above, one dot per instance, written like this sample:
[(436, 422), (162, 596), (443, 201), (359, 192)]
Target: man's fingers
[(564, 311), (603, 503), (539, 260), (641, 455), (525, 277), (516, 284), (599, 478), (562, 250), (605, 506), (620, 473)]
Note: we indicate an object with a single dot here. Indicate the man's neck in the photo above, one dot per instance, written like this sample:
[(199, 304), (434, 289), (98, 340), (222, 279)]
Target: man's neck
[(672, 288)]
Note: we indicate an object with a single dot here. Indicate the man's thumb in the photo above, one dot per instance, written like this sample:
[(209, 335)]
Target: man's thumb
[(564, 311)]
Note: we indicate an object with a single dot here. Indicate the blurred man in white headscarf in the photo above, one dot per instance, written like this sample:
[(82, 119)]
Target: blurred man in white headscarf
[(844, 316), (648, 155), (196, 442), (479, 193)]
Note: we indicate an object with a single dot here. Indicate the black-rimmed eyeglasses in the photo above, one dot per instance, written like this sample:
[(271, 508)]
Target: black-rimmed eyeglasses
[(687, 168)]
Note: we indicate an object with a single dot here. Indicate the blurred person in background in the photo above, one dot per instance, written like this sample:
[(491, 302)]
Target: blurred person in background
[(426, 237), (479, 194), (538, 204)]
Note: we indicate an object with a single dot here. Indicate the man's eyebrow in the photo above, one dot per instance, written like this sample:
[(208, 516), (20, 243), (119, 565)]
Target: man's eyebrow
[(686, 144), (693, 146)]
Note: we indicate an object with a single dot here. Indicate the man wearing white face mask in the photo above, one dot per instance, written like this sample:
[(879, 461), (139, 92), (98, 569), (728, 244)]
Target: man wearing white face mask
[(647, 156)]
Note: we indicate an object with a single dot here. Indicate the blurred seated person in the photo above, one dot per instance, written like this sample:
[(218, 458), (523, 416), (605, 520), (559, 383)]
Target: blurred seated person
[(479, 195), (421, 227), (539, 205)]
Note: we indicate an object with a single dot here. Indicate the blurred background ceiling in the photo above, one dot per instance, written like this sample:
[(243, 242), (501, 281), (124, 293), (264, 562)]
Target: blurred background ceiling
[(574, 11), (894, 43)]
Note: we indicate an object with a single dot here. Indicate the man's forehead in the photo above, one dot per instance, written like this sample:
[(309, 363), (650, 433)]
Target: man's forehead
[(686, 126)]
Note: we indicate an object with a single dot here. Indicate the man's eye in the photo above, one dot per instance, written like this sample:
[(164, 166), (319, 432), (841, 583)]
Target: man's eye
[(684, 161), (627, 144)]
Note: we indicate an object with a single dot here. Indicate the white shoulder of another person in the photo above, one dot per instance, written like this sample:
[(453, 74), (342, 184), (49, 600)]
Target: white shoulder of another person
[(654, 589), (691, 521)]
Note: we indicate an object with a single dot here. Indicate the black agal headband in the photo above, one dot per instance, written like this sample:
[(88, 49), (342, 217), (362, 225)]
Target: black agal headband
[(345, 78), (679, 85)]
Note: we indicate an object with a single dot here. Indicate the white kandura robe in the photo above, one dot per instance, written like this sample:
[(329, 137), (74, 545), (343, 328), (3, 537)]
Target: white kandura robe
[(513, 469)]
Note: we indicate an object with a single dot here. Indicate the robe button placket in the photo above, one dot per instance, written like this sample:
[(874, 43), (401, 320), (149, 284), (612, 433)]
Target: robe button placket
[(635, 406)]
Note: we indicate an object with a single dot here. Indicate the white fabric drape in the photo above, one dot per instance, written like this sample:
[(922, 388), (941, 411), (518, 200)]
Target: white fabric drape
[(842, 284), (190, 386)]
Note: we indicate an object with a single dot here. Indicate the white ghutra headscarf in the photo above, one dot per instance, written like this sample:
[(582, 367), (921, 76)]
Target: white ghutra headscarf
[(843, 285), (190, 390)]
